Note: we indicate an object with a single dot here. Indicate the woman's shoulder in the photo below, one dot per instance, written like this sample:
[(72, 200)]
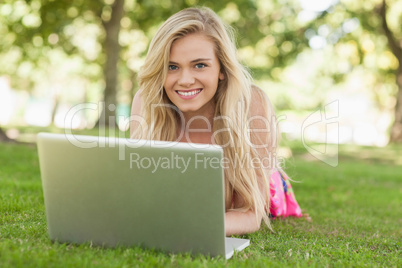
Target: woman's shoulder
[(137, 103), (260, 105), (262, 122), (135, 112)]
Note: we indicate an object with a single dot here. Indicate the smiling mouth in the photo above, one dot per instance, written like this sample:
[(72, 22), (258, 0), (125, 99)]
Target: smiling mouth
[(189, 93)]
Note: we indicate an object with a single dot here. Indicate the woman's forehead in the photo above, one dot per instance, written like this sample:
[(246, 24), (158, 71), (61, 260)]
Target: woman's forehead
[(192, 46)]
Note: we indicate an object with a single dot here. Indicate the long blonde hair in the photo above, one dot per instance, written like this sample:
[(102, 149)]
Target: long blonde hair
[(232, 100)]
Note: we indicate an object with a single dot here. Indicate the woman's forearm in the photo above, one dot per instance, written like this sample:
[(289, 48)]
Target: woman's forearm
[(238, 223)]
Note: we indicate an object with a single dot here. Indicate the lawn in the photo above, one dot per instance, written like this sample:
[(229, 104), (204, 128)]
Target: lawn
[(356, 211)]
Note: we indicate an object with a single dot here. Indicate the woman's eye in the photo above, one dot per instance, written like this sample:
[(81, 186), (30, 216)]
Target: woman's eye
[(200, 65), (172, 67)]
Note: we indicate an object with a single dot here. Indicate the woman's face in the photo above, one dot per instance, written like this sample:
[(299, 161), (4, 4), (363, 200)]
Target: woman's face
[(193, 74)]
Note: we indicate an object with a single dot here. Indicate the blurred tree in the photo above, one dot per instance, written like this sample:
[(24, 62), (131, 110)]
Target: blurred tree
[(111, 49), (34, 29), (364, 34), (395, 45), (40, 50), (4, 137), (115, 34)]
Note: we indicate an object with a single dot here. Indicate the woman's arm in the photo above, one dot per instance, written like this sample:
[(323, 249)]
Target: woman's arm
[(263, 135), (241, 222)]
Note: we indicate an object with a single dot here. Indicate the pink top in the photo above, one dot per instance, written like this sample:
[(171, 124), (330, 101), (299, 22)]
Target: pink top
[(283, 200)]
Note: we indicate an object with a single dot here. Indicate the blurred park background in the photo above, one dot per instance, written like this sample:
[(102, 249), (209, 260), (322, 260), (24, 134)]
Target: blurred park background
[(332, 68)]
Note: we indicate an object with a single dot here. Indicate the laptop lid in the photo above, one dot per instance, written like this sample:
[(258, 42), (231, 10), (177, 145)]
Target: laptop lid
[(163, 195)]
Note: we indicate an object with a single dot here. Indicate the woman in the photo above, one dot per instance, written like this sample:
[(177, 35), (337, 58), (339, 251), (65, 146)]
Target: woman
[(193, 89)]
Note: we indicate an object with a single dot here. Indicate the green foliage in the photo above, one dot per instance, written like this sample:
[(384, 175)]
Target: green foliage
[(354, 30), (54, 48), (33, 28), (355, 209)]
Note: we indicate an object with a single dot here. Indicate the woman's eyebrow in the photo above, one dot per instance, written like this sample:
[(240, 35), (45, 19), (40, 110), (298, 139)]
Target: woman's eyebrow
[(196, 60), (201, 59)]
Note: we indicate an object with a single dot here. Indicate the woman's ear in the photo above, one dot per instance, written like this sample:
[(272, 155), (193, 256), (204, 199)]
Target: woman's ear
[(221, 76)]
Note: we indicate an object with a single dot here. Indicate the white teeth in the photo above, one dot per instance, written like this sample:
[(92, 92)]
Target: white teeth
[(189, 93)]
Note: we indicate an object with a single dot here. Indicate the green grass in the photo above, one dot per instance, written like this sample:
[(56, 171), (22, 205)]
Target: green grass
[(356, 211)]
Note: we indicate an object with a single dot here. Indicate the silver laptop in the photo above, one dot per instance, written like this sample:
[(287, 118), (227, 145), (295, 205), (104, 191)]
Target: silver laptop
[(123, 192)]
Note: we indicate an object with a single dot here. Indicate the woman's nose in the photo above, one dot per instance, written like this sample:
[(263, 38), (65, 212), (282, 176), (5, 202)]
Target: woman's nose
[(186, 78)]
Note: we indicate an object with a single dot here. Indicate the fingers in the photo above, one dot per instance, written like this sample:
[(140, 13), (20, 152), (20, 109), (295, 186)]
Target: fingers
[(307, 217)]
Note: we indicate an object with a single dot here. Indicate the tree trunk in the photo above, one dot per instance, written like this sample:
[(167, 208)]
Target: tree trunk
[(4, 137), (396, 130), (396, 48), (111, 48)]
